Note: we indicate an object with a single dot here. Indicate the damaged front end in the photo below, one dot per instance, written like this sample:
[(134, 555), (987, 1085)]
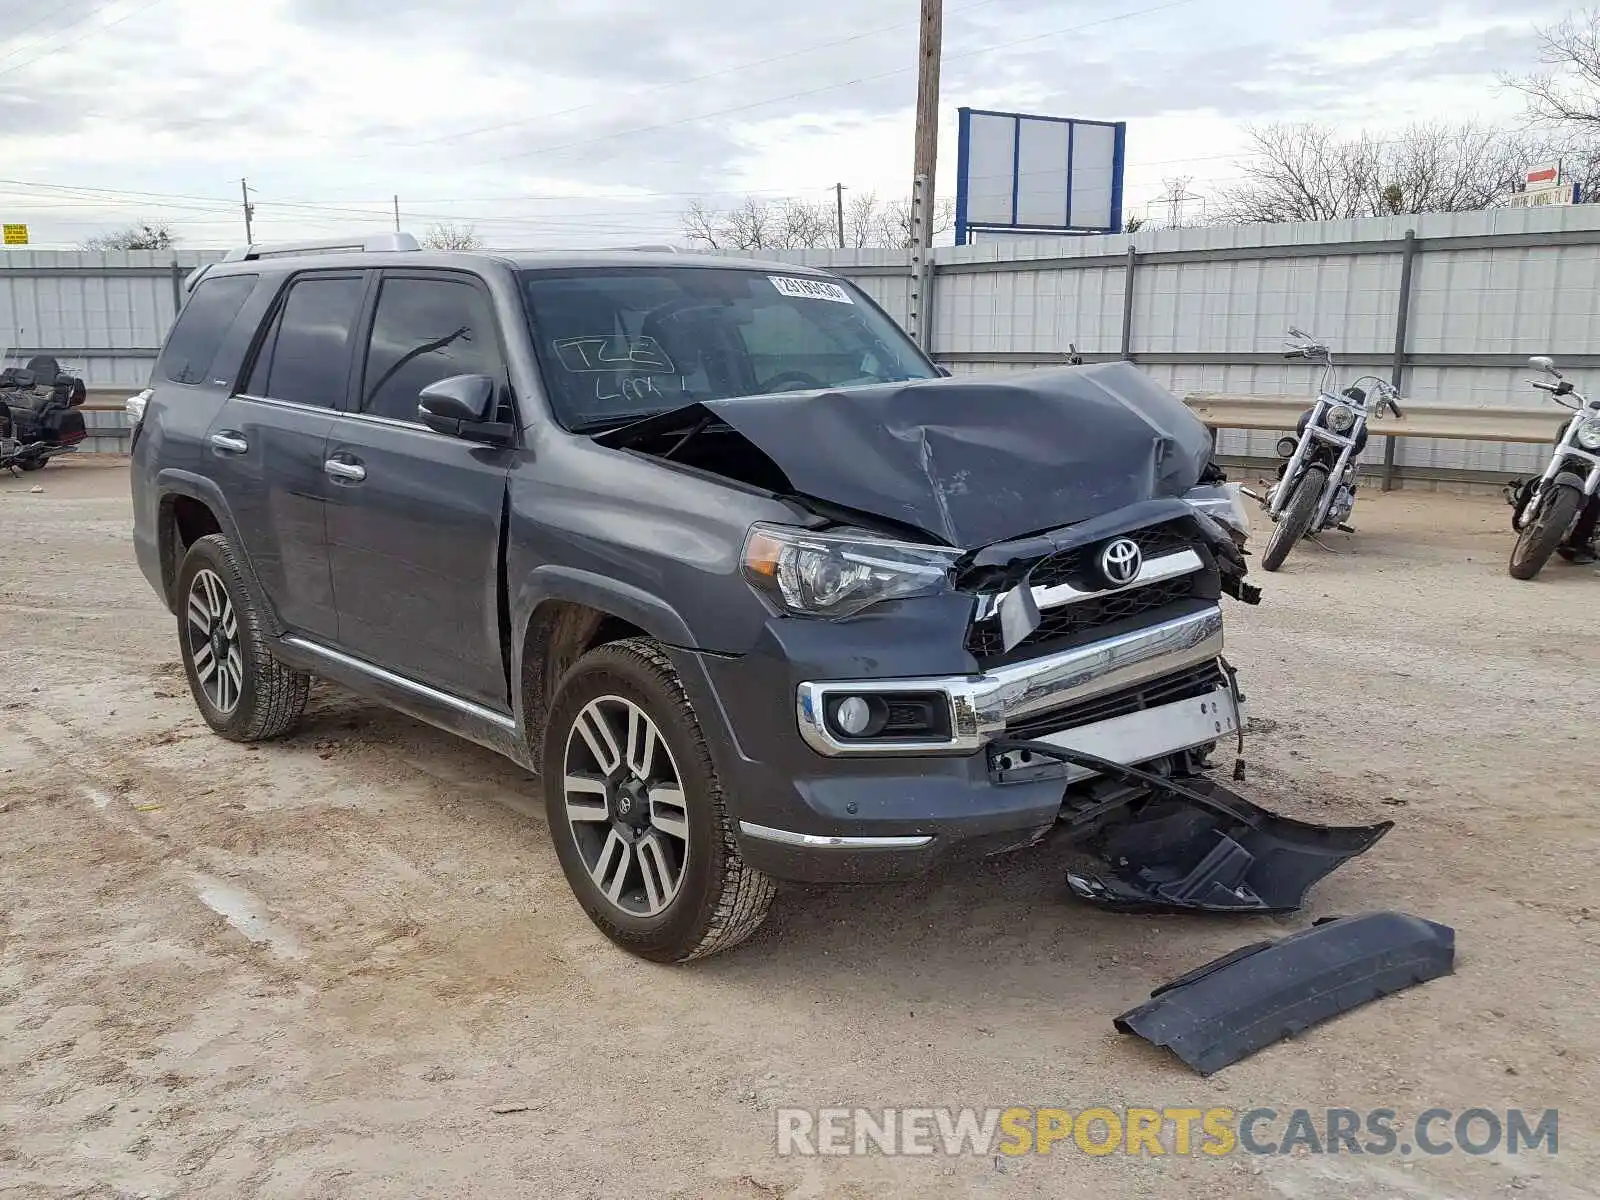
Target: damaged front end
[(1082, 514)]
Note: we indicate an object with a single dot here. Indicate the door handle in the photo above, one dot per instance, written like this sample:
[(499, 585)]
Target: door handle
[(338, 468), (230, 442)]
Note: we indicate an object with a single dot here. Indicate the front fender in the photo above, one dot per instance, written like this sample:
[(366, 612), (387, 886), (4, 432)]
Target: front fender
[(572, 585)]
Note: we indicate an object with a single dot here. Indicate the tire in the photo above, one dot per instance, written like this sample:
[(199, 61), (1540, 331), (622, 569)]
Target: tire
[(255, 697), (1297, 517), (1541, 536), (33, 464), (633, 827)]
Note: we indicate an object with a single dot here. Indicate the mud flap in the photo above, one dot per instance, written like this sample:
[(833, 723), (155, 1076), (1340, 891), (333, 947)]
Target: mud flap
[(1229, 856), (1254, 996)]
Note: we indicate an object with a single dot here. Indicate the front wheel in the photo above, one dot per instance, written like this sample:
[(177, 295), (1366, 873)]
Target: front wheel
[(1541, 536), (1297, 517), (637, 812)]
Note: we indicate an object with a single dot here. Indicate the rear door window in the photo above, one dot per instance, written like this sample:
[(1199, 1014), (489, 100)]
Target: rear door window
[(193, 344), (425, 330), (305, 358)]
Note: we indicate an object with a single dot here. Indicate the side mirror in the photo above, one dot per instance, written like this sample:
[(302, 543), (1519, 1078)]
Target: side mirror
[(1543, 362), (463, 406)]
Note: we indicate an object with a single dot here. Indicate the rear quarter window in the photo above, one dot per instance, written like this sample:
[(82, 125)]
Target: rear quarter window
[(191, 349)]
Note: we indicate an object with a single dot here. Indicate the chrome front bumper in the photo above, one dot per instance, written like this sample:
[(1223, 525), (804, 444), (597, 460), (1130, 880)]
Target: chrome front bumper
[(981, 706)]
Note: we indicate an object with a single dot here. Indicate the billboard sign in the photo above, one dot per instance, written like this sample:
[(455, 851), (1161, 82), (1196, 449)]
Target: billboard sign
[(1022, 173)]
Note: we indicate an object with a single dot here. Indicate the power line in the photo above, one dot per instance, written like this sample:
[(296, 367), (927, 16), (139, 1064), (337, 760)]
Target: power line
[(128, 16), (35, 23)]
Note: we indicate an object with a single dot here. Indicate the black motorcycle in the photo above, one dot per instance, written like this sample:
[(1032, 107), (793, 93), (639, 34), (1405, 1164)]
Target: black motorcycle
[(39, 417), (1558, 511)]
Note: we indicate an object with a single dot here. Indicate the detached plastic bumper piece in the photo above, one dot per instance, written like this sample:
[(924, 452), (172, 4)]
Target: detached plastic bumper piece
[(1255, 995), (1225, 855)]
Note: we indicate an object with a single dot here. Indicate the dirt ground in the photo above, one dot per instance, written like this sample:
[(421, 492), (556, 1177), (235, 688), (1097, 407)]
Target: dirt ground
[(318, 968)]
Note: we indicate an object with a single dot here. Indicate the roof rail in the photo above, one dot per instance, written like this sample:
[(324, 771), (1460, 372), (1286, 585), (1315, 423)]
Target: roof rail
[(371, 243), (662, 248)]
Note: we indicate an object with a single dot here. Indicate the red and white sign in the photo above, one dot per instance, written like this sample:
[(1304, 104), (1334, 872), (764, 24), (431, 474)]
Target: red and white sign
[(1549, 176)]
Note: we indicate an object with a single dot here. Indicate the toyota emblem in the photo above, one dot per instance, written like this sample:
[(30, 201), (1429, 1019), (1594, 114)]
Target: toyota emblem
[(1120, 562)]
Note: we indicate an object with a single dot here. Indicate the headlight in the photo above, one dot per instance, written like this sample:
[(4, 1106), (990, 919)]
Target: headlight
[(134, 405), (1287, 446), (1340, 418), (1588, 434), (839, 574), (1224, 503)]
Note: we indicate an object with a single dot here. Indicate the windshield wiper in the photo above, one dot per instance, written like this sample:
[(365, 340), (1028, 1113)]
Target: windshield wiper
[(616, 420)]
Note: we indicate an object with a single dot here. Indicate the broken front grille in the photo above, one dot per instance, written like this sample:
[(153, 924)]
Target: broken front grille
[(1077, 568), (985, 641), (1181, 685)]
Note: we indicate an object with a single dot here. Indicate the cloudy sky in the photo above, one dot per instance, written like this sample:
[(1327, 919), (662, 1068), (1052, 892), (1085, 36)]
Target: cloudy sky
[(546, 124)]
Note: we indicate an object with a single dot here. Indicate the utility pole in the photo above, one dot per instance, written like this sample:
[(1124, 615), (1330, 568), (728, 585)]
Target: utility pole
[(838, 191), (249, 211), (927, 139), (397, 212)]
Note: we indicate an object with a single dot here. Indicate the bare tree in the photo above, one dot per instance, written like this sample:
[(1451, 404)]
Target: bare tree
[(703, 225), (1563, 101), (894, 222), (791, 224), (1568, 92), (142, 236), (1308, 172), (445, 235), (803, 226)]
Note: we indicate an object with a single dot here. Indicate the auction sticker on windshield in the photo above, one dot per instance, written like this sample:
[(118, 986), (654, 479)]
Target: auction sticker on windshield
[(810, 289)]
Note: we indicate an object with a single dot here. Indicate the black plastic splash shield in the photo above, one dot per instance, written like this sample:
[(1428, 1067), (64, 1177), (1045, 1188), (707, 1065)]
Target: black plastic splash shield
[(1254, 996), (1228, 856), (1196, 845)]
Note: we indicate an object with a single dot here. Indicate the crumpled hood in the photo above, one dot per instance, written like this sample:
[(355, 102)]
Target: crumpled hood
[(977, 459)]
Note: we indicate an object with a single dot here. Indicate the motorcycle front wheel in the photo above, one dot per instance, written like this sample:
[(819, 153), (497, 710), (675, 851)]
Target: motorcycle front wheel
[(1541, 536), (1297, 517)]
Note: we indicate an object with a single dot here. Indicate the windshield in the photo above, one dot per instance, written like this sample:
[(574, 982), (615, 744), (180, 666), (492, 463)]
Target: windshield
[(621, 343)]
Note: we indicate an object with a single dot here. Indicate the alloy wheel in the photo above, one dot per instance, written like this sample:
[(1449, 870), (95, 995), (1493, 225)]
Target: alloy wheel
[(625, 806), (213, 633)]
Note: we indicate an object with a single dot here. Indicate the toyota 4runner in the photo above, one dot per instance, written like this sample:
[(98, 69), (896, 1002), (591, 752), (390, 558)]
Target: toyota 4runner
[(756, 589)]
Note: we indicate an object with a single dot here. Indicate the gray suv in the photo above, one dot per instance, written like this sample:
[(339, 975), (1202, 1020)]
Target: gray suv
[(756, 589)]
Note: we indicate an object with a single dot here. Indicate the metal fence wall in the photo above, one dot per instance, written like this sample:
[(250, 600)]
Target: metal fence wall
[(103, 315), (1207, 309)]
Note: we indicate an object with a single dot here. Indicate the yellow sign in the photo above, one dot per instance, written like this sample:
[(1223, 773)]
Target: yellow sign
[(15, 235)]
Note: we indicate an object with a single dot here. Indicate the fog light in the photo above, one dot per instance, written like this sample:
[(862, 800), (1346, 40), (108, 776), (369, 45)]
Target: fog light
[(1286, 446), (853, 716)]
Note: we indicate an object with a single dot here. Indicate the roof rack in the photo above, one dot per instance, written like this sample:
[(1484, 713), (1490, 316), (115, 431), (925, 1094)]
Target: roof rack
[(370, 244), (661, 248)]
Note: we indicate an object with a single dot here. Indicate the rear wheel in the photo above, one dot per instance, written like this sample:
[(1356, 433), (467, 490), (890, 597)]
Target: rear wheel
[(637, 812), (242, 691), (33, 464), (1541, 536), (1297, 517)]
